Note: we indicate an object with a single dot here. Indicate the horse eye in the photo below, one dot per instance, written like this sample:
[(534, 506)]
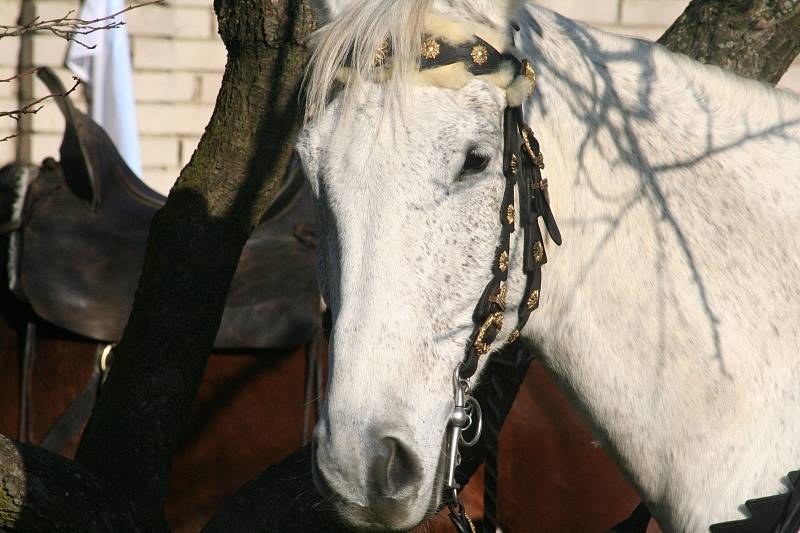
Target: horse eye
[(475, 162)]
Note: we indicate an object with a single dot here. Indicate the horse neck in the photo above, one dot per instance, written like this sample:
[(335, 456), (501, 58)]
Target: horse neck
[(643, 148)]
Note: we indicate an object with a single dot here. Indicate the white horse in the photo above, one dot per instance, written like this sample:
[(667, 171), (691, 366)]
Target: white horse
[(670, 313)]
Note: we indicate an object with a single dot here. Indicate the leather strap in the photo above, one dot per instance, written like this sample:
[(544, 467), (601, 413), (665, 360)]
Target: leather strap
[(460, 520), (771, 514), (28, 362), (77, 414), (789, 521), (8, 227), (477, 56), (637, 522)]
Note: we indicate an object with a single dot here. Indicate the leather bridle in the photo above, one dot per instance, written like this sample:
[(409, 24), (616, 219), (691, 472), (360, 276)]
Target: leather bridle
[(523, 163), (522, 167)]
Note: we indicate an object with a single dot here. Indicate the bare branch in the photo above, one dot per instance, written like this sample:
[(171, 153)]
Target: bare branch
[(33, 107), (70, 28), (20, 75)]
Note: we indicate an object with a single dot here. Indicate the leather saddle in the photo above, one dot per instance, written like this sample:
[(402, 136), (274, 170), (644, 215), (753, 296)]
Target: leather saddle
[(82, 235)]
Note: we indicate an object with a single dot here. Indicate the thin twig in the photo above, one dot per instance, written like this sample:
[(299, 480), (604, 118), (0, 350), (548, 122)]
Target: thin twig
[(33, 107), (68, 27), (20, 75)]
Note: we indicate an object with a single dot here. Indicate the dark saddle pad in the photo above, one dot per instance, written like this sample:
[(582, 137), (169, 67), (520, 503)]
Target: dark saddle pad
[(83, 234)]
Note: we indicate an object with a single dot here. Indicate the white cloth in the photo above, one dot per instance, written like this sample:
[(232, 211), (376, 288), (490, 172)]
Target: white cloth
[(106, 69)]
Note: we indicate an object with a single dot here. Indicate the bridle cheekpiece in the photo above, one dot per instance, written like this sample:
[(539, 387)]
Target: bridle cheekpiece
[(523, 163)]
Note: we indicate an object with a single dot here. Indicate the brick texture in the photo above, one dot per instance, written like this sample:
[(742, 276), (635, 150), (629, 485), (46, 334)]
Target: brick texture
[(178, 62)]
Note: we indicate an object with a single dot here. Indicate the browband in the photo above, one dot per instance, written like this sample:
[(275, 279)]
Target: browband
[(477, 56)]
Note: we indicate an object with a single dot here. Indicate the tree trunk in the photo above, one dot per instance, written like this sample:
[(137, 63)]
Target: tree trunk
[(193, 250), (756, 39), (42, 492)]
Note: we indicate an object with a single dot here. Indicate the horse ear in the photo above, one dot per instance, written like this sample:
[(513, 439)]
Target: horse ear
[(499, 12), (496, 13), (326, 10)]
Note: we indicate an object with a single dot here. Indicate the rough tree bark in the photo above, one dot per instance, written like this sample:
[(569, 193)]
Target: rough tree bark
[(193, 251), (756, 39), (194, 248), (44, 492), (118, 480)]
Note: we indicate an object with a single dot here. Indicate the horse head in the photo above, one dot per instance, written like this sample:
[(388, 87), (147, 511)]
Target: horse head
[(406, 166)]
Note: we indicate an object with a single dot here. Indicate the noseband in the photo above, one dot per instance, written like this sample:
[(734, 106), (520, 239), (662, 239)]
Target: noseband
[(522, 167)]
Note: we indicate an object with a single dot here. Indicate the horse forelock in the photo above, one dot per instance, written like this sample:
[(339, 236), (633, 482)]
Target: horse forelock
[(346, 50), (352, 38)]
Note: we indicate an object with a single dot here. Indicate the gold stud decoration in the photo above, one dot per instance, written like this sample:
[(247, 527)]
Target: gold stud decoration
[(500, 297), (502, 261), (538, 160), (513, 337), (527, 143), (381, 54), (533, 299), (514, 164), (538, 252), (527, 69), (431, 49), (480, 55), (510, 214), (481, 346)]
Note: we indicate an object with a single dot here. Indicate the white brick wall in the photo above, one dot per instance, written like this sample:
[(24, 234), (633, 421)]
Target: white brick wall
[(178, 61)]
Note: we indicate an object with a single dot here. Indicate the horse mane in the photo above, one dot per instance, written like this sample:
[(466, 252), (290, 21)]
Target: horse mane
[(353, 37)]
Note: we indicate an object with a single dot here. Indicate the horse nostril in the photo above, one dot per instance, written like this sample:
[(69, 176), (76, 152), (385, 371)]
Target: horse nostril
[(396, 469)]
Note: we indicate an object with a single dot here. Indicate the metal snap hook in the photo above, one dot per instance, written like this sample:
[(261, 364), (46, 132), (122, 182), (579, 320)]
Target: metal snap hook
[(475, 415)]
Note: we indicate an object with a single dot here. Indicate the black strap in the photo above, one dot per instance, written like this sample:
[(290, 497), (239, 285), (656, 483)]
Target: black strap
[(637, 522), (8, 227), (498, 389), (477, 56), (462, 522), (72, 420), (28, 362), (790, 517), (771, 514), (79, 411)]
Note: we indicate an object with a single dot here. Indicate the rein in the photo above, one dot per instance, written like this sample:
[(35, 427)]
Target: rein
[(523, 163)]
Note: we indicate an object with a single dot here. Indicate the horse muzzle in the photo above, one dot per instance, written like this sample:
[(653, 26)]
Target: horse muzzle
[(376, 486)]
